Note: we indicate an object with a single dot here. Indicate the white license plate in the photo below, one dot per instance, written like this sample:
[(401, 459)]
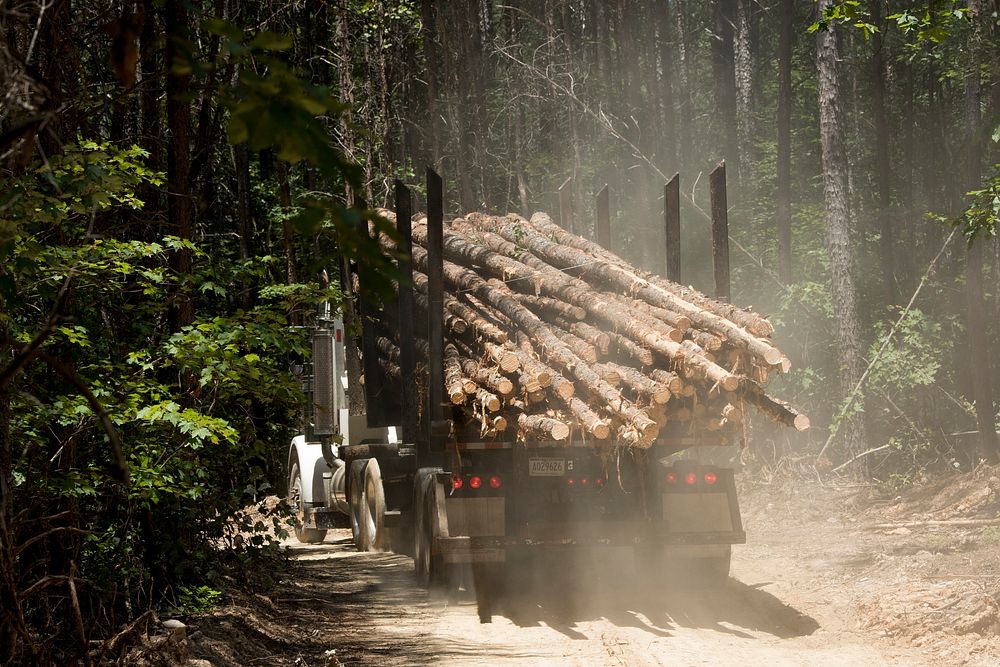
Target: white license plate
[(546, 467)]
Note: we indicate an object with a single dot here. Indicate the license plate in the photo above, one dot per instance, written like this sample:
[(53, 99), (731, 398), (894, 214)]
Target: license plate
[(546, 467)]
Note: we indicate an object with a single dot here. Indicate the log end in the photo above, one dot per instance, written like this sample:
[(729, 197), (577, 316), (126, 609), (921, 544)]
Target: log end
[(543, 379), (773, 356), (683, 323), (505, 387), (661, 395), (676, 335), (601, 431), (801, 423), (492, 404), (559, 431), (499, 423), (510, 363), (730, 383), (469, 386), (457, 395), (565, 389)]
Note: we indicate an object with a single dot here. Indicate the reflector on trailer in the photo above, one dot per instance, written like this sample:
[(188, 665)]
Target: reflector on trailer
[(475, 481), (710, 478), (495, 481)]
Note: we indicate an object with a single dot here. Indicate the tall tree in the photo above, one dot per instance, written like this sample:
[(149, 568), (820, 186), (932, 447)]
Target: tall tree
[(979, 369), (784, 149), (838, 235), (883, 178), (724, 75)]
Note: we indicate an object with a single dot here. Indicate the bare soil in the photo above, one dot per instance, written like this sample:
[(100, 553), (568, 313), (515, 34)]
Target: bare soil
[(814, 586)]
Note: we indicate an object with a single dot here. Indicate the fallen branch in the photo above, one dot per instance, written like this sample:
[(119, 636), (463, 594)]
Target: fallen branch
[(949, 523)]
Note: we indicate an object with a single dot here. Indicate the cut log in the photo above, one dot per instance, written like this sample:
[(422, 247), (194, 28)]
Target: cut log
[(608, 374), (670, 380), (487, 399), (486, 377), (753, 322), (453, 378), (621, 278), (547, 306), (543, 427), (658, 393), (778, 411)]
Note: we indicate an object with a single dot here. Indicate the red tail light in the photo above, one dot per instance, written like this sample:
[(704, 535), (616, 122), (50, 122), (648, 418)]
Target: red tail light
[(570, 481), (495, 482), (710, 478), (671, 477), (598, 481), (584, 481), (475, 481), (457, 482), (691, 478)]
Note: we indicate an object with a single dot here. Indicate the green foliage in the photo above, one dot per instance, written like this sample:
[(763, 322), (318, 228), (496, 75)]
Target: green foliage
[(980, 219)]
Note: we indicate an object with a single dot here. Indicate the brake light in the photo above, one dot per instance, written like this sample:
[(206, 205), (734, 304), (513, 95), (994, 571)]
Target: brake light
[(691, 478), (671, 477), (457, 482), (475, 481), (710, 478), (495, 482)]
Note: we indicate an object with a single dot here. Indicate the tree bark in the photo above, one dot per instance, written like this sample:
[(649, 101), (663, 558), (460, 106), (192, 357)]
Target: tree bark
[(887, 255), (180, 209), (981, 389), (783, 213), (838, 226)]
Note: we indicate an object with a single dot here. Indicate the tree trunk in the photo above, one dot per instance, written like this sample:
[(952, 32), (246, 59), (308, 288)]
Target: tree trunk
[(723, 72), (784, 157), (882, 148), (743, 72), (849, 340), (180, 211), (981, 389)]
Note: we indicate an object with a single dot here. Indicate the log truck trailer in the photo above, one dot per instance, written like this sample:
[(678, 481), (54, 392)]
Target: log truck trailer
[(397, 474)]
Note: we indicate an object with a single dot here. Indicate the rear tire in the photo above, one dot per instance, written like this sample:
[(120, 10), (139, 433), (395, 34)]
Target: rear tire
[(355, 483), (304, 535), (372, 508)]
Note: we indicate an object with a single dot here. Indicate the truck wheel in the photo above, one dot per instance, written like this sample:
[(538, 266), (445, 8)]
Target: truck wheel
[(355, 483), (304, 535), (372, 508), (428, 567)]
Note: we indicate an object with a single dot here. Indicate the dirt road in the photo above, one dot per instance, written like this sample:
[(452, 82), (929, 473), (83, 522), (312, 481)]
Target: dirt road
[(809, 589)]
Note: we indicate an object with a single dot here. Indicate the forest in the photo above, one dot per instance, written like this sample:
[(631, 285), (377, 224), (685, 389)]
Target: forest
[(177, 176)]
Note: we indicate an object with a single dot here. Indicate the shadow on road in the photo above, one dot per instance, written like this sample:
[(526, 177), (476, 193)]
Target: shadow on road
[(561, 590)]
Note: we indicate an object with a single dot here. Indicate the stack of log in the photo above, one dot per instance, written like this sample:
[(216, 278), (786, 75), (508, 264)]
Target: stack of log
[(551, 335)]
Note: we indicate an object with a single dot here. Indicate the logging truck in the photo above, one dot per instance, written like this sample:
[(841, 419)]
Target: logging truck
[(443, 422)]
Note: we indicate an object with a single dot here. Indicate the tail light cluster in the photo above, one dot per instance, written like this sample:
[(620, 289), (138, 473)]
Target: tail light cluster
[(585, 482), (690, 478), (476, 482)]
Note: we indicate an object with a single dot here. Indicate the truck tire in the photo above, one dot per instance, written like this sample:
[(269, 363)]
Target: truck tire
[(427, 566), (372, 509), (355, 482), (304, 535)]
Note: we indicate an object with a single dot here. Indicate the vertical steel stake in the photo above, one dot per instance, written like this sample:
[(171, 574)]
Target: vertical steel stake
[(407, 330), (720, 231), (435, 303), (672, 219), (604, 218)]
